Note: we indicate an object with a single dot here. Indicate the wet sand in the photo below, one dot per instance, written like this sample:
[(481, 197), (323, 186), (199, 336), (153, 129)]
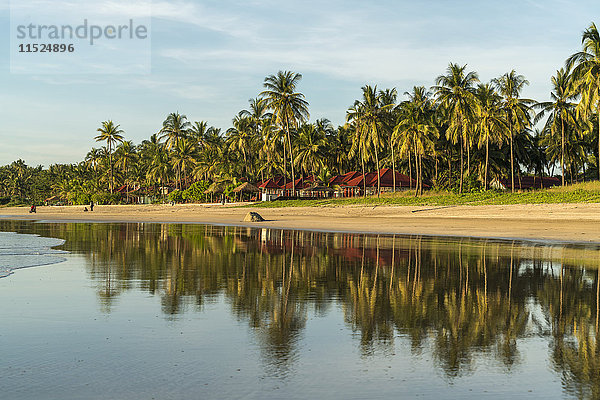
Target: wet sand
[(557, 222)]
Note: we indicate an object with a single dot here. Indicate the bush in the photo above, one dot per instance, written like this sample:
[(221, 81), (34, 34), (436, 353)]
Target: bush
[(4, 200), (195, 193), (106, 198), (176, 196)]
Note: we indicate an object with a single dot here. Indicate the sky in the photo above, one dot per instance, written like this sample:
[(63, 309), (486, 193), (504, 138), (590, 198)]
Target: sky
[(209, 57)]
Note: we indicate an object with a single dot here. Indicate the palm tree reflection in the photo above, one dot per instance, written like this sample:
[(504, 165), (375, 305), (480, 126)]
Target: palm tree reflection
[(461, 299)]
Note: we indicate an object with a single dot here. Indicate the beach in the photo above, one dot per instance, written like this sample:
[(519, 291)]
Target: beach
[(555, 222)]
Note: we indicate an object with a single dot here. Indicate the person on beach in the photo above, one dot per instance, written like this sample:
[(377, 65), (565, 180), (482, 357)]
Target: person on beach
[(91, 206), (33, 209)]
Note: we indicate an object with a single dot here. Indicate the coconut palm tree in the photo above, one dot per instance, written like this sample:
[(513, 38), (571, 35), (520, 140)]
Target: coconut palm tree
[(369, 117), (491, 124), (126, 157), (517, 110), (111, 134), (175, 128), (310, 146), (416, 130), (183, 159), (289, 107), (241, 138), (586, 76), (455, 93), (561, 111)]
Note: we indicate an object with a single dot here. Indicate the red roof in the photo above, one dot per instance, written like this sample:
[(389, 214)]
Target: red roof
[(270, 183), (386, 176), (300, 183), (340, 179), (531, 182)]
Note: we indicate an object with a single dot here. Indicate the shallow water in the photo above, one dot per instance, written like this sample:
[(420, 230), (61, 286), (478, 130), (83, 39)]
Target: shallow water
[(191, 311), (24, 251)]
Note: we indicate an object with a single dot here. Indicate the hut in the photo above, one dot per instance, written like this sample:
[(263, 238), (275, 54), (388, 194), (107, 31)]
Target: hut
[(245, 188), (215, 188)]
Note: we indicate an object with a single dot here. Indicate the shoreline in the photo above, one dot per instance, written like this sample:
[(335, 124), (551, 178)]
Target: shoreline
[(572, 223)]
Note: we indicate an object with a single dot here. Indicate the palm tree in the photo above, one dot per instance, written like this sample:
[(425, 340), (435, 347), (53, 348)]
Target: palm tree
[(491, 124), (175, 128), (517, 110), (310, 145), (111, 134), (586, 76), (126, 156), (241, 138), (561, 110), (368, 115), (183, 159), (455, 93), (416, 130), (93, 158), (289, 107)]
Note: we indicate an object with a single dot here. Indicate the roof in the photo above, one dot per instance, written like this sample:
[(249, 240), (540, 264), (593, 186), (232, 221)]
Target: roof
[(300, 183), (531, 182), (246, 187)]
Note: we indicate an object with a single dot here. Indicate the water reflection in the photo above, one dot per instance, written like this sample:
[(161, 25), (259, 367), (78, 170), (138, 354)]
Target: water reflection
[(460, 299)]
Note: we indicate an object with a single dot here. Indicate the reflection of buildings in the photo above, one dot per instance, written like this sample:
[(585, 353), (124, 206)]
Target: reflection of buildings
[(459, 297)]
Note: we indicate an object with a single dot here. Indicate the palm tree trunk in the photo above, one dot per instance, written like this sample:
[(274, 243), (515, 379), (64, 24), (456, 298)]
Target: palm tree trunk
[(378, 173), (421, 174), (393, 169), (409, 172), (287, 129), (416, 171), (112, 181), (487, 158), (284, 167), (462, 161), (449, 168), (512, 161), (362, 160), (562, 151)]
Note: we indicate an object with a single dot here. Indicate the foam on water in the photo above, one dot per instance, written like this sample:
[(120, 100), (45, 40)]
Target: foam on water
[(23, 251)]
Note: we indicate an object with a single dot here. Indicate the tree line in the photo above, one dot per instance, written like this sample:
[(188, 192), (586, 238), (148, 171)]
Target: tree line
[(460, 134)]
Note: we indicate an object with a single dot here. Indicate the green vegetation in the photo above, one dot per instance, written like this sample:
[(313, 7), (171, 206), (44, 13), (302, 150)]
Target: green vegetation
[(461, 136), (588, 192)]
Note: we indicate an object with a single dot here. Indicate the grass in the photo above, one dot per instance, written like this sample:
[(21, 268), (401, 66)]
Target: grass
[(588, 192)]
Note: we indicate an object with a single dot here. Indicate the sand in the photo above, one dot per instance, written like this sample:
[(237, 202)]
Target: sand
[(555, 222)]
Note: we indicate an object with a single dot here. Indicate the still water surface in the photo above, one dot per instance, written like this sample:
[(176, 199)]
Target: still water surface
[(142, 311)]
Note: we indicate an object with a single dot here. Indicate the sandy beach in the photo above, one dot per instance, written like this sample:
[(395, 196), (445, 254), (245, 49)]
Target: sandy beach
[(560, 222)]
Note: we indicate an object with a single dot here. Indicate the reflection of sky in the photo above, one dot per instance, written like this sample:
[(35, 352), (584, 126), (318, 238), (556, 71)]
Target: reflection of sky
[(210, 57)]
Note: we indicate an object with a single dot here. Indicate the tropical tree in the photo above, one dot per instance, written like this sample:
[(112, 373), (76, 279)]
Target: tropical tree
[(369, 118), (455, 94), (175, 128), (310, 146), (561, 111), (517, 110), (111, 134), (585, 65), (289, 107), (491, 125)]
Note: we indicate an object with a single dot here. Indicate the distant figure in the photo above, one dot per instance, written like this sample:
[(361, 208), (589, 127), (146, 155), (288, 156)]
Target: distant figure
[(91, 206), (223, 200), (85, 209), (32, 209)]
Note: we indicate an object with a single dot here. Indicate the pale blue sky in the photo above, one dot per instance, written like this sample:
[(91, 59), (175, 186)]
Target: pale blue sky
[(210, 56)]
